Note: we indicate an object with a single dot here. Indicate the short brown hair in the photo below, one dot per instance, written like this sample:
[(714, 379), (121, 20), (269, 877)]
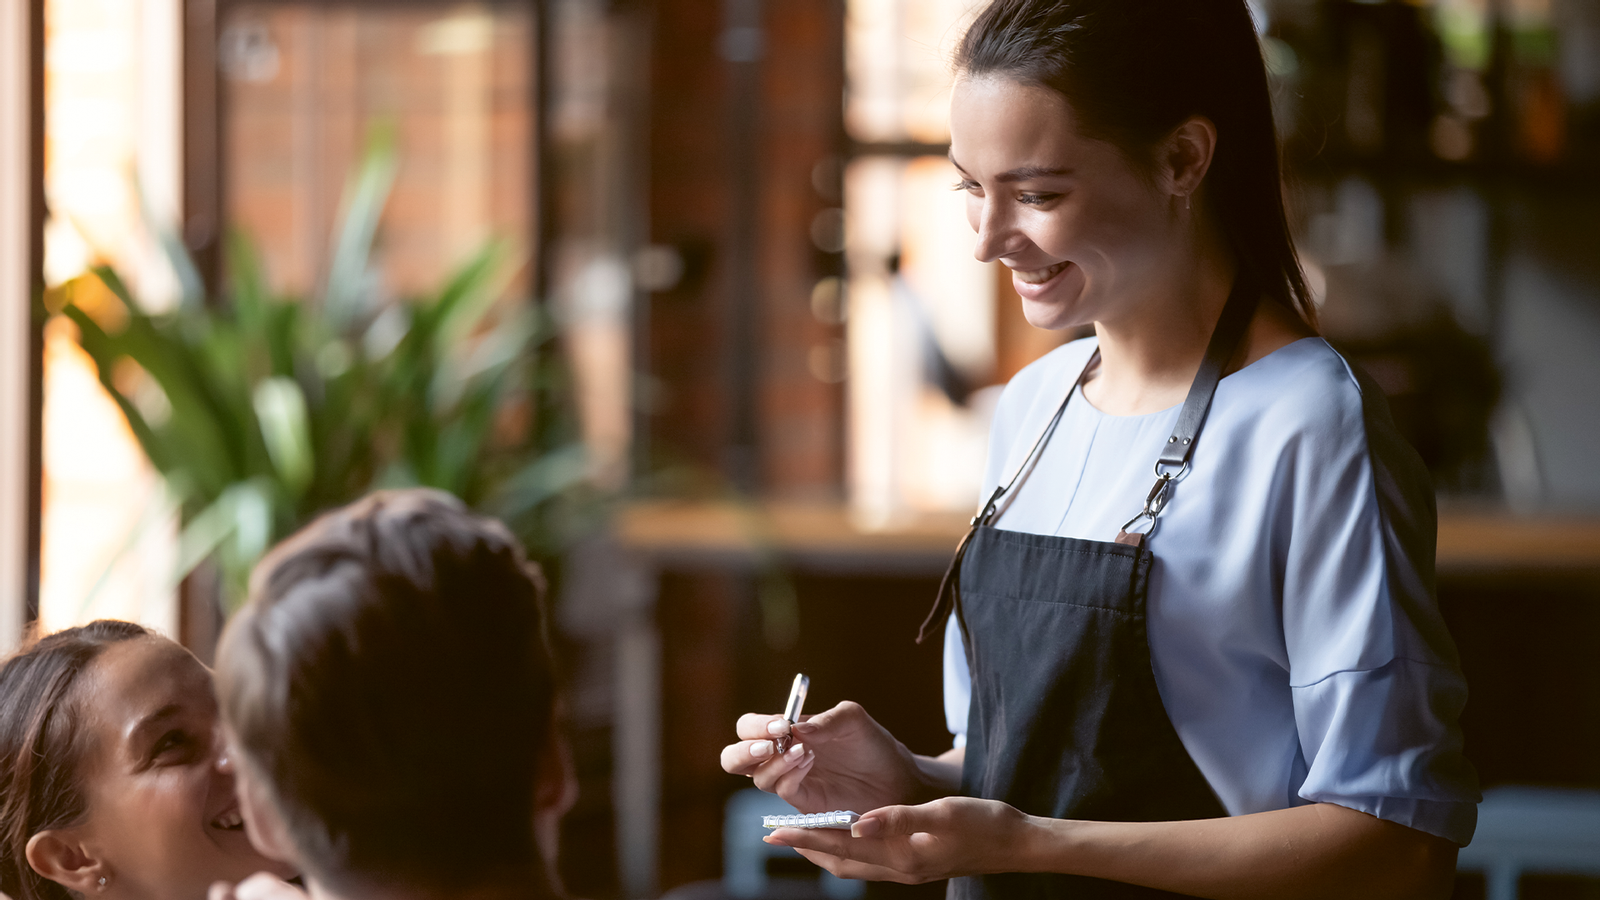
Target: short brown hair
[(390, 678)]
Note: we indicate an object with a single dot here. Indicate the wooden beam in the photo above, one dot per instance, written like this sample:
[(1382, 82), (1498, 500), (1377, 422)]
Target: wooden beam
[(21, 257)]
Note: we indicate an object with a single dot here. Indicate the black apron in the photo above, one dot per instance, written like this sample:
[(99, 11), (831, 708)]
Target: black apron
[(1065, 720)]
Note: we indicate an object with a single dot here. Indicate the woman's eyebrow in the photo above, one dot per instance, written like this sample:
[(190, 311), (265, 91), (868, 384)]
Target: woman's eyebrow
[(154, 720), (1024, 173), (1028, 173)]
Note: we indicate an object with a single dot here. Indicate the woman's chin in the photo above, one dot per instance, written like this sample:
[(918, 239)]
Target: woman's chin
[(1054, 304), (1052, 315)]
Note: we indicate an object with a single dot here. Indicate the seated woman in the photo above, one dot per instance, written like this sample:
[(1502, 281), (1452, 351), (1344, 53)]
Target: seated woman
[(390, 696), (111, 782)]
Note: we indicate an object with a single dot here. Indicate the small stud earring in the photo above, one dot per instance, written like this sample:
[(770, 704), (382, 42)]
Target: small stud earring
[(1186, 202), (102, 882)]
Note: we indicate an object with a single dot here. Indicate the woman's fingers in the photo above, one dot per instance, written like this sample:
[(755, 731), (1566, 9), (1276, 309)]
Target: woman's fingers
[(744, 757), (845, 856), (755, 726), (787, 785), (899, 820), (769, 773), (854, 868), (761, 761)]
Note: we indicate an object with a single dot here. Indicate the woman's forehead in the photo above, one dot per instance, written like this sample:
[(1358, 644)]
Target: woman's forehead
[(134, 680), (995, 119)]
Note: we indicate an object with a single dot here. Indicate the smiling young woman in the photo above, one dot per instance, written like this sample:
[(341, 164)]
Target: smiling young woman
[(111, 783), (1226, 677)]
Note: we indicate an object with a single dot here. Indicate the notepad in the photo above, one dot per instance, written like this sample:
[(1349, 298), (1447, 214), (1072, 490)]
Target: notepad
[(839, 818)]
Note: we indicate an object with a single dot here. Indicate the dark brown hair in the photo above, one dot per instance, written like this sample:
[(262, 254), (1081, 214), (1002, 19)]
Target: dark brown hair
[(41, 746), (1133, 71), (391, 681)]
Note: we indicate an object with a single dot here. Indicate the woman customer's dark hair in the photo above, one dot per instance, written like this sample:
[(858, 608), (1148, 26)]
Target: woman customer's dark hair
[(1134, 70), (41, 747), (391, 682)]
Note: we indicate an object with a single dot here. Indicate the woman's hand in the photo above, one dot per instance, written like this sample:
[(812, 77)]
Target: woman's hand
[(260, 886), (1317, 852), (839, 759), (913, 844)]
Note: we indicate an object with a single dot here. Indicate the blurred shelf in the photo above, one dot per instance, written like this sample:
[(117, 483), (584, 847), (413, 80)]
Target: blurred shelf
[(828, 538), (808, 536), (1471, 543)]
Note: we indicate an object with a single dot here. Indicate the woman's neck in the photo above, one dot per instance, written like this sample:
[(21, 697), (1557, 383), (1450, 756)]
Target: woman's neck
[(1150, 351)]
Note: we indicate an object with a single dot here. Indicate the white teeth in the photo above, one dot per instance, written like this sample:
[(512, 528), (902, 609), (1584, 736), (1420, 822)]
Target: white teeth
[(1039, 276), (228, 820)]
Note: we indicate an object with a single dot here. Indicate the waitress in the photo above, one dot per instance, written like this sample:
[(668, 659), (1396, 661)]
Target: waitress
[(1191, 643)]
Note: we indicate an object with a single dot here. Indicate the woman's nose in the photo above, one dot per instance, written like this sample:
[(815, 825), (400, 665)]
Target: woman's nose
[(994, 233)]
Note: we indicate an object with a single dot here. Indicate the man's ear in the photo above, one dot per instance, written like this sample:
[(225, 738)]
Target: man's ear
[(56, 854), (263, 822), (1187, 153), (556, 778), (555, 790)]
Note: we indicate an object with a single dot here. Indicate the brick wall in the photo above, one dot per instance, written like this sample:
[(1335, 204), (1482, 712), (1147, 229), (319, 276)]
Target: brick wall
[(800, 440)]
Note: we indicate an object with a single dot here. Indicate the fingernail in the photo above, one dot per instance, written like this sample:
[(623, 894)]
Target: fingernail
[(777, 727), (797, 750), (802, 728), (761, 750), (866, 828)]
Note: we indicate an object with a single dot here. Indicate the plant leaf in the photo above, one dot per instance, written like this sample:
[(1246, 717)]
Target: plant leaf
[(347, 296), (280, 408)]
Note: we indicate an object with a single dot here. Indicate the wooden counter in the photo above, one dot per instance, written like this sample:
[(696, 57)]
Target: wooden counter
[(827, 537)]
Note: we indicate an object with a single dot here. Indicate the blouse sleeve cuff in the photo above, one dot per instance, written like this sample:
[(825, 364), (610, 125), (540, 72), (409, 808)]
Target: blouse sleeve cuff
[(1452, 820)]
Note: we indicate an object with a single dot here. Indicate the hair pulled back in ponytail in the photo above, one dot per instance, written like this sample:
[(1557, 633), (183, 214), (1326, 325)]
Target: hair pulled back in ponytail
[(1133, 71), (41, 746)]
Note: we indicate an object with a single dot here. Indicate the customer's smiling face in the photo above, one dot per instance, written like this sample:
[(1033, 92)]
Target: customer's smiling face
[(161, 815), (1082, 228)]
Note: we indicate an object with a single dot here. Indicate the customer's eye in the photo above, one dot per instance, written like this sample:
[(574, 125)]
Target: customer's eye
[(1036, 199), (965, 184)]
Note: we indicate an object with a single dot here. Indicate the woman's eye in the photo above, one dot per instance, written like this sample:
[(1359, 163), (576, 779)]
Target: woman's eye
[(1036, 199), (175, 742), (965, 184)]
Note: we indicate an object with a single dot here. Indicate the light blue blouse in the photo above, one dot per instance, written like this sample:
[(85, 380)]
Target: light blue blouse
[(1293, 628)]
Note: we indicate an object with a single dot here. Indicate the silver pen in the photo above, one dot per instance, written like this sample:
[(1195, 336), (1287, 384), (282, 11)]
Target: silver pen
[(791, 711)]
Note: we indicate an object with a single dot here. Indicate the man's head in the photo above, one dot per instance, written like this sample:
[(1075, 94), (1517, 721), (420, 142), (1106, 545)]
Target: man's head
[(390, 695)]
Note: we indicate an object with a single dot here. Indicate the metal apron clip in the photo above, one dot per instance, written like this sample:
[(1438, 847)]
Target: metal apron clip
[(1156, 501)]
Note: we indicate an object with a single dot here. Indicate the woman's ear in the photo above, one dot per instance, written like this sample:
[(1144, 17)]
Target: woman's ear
[(1186, 155), (57, 854)]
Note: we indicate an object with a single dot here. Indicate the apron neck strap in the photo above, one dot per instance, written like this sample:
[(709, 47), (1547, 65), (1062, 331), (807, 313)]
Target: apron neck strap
[(1174, 460), (1225, 340)]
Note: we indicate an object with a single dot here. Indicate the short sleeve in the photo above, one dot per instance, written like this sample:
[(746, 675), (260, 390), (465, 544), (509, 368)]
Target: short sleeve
[(957, 683), (1377, 688)]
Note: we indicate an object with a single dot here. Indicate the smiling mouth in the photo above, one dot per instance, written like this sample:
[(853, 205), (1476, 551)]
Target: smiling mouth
[(1039, 276), (229, 821)]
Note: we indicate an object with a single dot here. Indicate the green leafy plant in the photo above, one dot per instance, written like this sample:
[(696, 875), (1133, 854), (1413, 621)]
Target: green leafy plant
[(260, 411)]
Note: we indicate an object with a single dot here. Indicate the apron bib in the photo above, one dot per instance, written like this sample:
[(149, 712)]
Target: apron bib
[(1065, 718)]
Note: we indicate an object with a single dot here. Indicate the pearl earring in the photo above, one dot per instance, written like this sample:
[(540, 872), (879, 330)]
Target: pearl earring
[(102, 882)]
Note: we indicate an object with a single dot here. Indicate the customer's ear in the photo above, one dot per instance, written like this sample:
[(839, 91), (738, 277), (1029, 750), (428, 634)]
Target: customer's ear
[(263, 822), (555, 790), (58, 854)]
